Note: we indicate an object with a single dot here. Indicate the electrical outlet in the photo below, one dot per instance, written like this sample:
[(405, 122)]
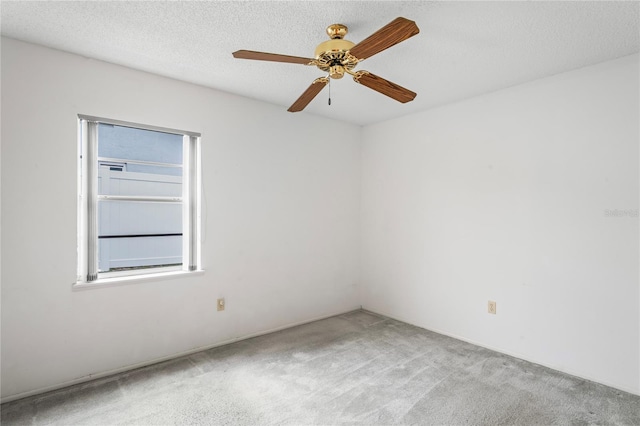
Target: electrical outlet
[(220, 304), (491, 307)]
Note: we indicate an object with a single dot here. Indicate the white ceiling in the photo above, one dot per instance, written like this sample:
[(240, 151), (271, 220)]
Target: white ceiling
[(463, 49)]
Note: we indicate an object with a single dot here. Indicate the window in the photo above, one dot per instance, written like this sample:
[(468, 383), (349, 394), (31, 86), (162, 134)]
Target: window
[(138, 199)]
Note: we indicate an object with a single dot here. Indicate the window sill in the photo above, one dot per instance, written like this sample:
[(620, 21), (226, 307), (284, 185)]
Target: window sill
[(133, 279)]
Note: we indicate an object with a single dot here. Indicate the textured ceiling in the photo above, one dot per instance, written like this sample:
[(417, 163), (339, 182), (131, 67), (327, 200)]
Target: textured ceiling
[(463, 49)]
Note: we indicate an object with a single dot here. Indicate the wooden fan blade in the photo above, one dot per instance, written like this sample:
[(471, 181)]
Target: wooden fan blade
[(385, 87), (308, 95), (391, 34), (274, 57)]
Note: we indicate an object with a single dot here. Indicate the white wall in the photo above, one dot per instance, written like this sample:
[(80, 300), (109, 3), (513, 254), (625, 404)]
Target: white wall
[(281, 221), (503, 197)]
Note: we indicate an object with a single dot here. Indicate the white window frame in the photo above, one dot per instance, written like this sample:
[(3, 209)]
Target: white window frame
[(88, 197)]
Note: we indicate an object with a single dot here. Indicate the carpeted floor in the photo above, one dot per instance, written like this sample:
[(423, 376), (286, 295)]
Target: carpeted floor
[(357, 368)]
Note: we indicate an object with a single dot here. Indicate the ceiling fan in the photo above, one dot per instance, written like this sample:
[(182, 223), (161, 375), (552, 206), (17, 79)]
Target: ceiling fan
[(338, 56)]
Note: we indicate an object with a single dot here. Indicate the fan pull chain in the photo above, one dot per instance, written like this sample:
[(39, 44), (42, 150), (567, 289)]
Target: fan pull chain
[(329, 90)]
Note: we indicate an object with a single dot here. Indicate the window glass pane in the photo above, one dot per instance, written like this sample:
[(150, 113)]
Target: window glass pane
[(117, 254), (133, 234), (139, 144), (136, 162)]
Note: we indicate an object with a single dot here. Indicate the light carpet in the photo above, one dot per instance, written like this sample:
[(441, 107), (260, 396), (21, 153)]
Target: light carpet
[(358, 368)]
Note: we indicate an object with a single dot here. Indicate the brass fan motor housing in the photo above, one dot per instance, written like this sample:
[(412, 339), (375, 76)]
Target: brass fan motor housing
[(332, 55)]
